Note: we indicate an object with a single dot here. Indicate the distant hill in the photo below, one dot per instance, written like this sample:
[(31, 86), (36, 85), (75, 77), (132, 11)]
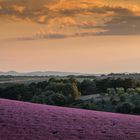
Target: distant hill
[(39, 73), (26, 121)]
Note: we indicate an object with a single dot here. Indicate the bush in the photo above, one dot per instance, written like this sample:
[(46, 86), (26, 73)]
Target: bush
[(122, 98), (88, 87), (58, 99), (125, 108), (120, 91), (130, 90), (135, 99), (39, 99), (111, 91), (136, 110), (90, 106), (114, 102), (137, 90), (48, 92)]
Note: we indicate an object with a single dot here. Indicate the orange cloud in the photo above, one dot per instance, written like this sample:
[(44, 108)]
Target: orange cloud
[(18, 8), (73, 17)]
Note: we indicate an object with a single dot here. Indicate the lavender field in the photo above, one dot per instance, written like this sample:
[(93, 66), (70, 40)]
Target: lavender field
[(27, 121)]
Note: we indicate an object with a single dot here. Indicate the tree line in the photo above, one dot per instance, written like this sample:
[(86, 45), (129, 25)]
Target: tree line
[(118, 95)]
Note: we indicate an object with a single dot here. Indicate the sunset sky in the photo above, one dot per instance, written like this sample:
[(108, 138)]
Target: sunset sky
[(89, 36)]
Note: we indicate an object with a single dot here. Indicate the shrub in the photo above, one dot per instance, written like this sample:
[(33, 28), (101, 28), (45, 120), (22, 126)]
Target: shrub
[(122, 98), (125, 108), (114, 102), (120, 90), (90, 106), (39, 99), (130, 90), (111, 91), (137, 90), (58, 99)]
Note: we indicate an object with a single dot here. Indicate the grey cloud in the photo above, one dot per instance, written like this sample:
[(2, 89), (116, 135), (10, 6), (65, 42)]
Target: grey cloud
[(128, 25), (56, 36), (43, 36)]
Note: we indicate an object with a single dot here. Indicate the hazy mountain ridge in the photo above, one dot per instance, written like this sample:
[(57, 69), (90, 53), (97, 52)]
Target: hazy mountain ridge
[(39, 73)]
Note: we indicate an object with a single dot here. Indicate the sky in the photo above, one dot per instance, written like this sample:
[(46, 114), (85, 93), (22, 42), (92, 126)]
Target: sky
[(96, 36)]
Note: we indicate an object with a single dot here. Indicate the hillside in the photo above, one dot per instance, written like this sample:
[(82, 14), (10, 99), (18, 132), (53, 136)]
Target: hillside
[(26, 121)]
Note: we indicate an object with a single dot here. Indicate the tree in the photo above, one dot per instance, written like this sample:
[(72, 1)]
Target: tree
[(14, 92), (1, 93), (90, 106), (88, 87), (39, 99), (122, 98), (120, 90), (136, 110), (102, 85), (137, 90), (125, 108), (58, 99), (130, 90), (75, 92), (114, 102), (111, 91), (47, 92)]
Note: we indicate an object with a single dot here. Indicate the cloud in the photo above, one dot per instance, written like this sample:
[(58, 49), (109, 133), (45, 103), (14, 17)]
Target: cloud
[(128, 25), (70, 18)]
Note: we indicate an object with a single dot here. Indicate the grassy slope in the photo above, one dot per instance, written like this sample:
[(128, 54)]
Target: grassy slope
[(26, 121)]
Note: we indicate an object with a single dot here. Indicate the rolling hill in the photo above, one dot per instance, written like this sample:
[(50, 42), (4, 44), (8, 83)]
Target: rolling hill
[(27, 121)]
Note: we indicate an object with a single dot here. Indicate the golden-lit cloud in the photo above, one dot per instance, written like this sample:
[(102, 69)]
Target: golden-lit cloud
[(19, 9), (71, 18)]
